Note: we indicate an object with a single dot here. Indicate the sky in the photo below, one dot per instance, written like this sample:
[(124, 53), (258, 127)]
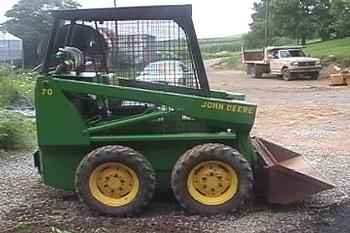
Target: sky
[(211, 18)]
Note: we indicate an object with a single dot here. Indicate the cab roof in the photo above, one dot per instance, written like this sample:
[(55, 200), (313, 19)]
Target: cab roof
[(284, 47), (126, 13)]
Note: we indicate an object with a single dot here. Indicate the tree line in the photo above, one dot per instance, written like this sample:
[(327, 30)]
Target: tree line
[(296, 21)]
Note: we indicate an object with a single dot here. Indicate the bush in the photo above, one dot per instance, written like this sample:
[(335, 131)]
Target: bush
[(24, 83), (13, 83), (7, 87), (16, 132)]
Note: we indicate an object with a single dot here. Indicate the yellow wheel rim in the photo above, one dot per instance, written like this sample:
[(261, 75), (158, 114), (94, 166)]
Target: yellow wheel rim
[(114, 184), (212, 183)]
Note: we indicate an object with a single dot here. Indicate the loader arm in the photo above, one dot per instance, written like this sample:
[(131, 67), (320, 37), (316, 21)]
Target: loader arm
[(236, 114)]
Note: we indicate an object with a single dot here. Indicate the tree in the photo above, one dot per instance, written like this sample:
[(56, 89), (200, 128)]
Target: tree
[(340, 11), (255, 38), (296, 19), (31, 21), (323, 18)]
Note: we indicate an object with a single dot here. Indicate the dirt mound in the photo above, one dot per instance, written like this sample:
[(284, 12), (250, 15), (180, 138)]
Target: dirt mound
[(329, 69)]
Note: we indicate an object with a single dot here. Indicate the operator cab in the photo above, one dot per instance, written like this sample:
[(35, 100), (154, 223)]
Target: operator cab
[(132, 50), (107, 46)]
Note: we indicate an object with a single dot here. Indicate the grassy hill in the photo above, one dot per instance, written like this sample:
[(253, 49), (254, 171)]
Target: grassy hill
[(231, 62), (220, 47), (331, 51)]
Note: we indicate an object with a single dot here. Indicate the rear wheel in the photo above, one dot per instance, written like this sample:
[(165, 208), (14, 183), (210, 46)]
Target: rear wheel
[(115, 180), (212, 179), (254, 71)]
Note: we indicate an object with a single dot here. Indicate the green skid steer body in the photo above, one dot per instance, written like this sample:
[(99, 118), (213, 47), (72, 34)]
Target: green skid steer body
[(124, 109)]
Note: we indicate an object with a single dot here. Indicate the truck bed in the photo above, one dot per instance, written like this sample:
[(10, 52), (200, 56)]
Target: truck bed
[(256, 57)]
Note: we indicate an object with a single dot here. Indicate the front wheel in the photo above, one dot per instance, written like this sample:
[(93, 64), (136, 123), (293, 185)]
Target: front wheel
[(315, 76), (212, 179), (286, 74)]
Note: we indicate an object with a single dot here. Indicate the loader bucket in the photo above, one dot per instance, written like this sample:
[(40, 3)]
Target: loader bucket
[(284, 176)]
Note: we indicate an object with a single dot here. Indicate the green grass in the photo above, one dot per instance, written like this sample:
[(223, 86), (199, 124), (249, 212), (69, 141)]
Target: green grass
[(337, 51), (223, 54), (226, 48), (232, 62), (16, 132), (13, 83)]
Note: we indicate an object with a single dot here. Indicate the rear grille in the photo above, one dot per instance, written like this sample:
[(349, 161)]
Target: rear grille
[(307, 63)]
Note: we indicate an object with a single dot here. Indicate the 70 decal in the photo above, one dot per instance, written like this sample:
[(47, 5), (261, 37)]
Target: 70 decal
[(47, 91)]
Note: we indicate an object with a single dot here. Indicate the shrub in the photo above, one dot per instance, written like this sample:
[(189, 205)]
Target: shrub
[(24, 84), (7, 87), (16, 132), (13, 83)]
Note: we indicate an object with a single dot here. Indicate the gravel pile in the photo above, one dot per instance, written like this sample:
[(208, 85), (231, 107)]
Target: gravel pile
[(28, 206)]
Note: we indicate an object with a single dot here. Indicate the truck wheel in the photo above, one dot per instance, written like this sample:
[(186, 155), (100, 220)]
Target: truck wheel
[(253, 71), (314, 76), (250, 71), (115, 180), (211, 179), (286, 74)]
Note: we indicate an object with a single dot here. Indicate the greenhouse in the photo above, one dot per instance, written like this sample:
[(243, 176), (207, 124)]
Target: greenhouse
[(11, 49)]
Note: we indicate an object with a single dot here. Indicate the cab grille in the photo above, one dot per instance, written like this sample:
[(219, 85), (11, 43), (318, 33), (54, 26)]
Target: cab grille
[(307, 63)]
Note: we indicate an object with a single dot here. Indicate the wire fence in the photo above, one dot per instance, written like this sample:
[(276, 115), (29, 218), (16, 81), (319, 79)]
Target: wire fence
[(143, 50)]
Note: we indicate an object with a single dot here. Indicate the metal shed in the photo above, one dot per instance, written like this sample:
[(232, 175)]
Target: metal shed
[(11, 49)]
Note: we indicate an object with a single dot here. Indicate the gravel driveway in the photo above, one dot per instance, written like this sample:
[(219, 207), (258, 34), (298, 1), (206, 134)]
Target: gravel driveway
[(26, 205)]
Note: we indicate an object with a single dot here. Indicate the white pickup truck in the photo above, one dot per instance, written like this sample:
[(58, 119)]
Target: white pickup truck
[(286, 62)]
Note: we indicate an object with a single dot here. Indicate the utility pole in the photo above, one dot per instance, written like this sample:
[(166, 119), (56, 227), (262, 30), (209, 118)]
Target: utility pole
[(115, 42), (267, 19)]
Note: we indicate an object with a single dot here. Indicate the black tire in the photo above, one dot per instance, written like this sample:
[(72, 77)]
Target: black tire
[(210, 152), (123, 155), (315, 75), (254, 71), (250, 71), (286, 76)]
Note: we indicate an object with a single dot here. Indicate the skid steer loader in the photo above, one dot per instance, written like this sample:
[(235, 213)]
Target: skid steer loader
[(124, 109)]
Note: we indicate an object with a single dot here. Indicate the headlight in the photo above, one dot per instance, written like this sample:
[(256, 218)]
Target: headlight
[(294, 63), (318, 63)]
